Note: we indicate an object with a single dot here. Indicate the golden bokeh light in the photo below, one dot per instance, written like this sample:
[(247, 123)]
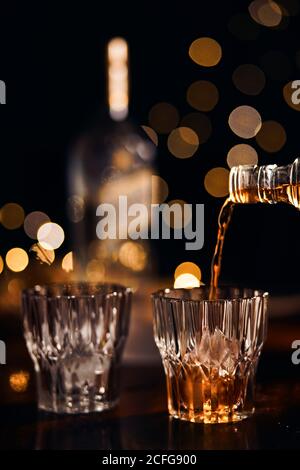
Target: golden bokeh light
[(200, 123), (202, 95), (159, 188), (151, 134), (183, 142), (99, 250), (95, 271), (271, 137), (133, 256), (265, 12), (12, 215), (50, 236), (67, 262), (205, 51), (291, 94), (188, 268), (242, 154), (122, 159), (118, 83), (33, 222), (249, 79), (18, 381), (16, 259), (216, 182), (163, 117), (186, 281), (180, 214), (43, 255), (1, 264), (75, 208), (245, 121), (15, 286)]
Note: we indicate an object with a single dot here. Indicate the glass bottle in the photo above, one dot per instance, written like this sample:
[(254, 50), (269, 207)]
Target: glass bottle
[(113, 159), (267, 184)]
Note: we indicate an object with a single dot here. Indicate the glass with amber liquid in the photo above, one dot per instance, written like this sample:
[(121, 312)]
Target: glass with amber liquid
[(210, 350)]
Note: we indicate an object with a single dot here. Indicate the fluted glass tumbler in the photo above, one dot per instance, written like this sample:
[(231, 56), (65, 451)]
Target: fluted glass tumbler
[(75, 335), (210, 350)]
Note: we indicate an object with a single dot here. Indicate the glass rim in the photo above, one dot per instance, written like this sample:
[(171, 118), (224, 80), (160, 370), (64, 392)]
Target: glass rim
[(115, 289), (257, 293)]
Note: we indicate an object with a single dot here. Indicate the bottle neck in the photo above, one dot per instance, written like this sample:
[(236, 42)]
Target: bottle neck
[(267, 184)]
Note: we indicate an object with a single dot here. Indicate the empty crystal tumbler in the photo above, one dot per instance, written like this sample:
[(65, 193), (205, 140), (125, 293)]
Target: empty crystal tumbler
[(210, 350), (75, 335)]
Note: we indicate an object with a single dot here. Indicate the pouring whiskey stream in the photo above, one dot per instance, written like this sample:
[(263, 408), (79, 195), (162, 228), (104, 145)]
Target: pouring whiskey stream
[(249, 184)]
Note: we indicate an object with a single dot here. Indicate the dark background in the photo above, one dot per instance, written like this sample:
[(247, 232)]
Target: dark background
[(52, 60)]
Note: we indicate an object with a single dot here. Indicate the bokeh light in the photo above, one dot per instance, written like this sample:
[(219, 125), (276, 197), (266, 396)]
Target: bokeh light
[(276, 65), (151, 134), (118, 96), (67, 262), (243, 27), (15, 286), (163, 117), (186, 281), (75, 208), (242, 154), (99, 250), (122, 160), (43, 255), (132, 255), (50, 236), (1, 264), (249, 79), (16, 259), (265, 12), (180, 214), (12, 215), (95, 271), (200, 123), (205, 51), (202, 95), (271, 137), (188, 268), (160, 189), (216, 182), (183, 142), (291, 94), (18, 381), (245, 121), (33, 222)]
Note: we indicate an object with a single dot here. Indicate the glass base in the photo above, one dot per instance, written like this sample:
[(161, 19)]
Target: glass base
[(88, 407), (211, 418)]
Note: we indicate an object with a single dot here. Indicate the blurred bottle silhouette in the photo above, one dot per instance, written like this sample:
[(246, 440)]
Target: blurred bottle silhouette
[(115, 158), (268, 184)]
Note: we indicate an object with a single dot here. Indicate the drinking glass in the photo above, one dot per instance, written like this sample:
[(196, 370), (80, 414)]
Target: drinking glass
[(210, 350), (75, 334)]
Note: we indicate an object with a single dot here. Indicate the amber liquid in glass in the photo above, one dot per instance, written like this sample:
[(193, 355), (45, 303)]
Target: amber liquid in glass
[(205, 395), (216, 399)]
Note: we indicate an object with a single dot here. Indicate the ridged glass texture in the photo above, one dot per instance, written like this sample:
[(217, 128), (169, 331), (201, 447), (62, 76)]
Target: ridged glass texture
[(210, 351), (75, 335)]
